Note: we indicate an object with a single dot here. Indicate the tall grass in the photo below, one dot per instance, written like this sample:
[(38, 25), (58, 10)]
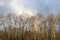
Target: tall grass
[(36, 27)]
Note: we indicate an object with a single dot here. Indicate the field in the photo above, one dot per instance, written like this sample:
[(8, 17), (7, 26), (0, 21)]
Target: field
[(25, 27)]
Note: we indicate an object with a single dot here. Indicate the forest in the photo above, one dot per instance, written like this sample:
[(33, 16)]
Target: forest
[(24, 27)]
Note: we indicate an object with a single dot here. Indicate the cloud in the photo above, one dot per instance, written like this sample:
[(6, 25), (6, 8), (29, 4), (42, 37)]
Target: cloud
[(1, 3), (4, 6), (20, 6), (29, 6)]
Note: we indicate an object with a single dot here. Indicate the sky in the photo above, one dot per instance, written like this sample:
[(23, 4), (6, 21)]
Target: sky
[(29, 6)]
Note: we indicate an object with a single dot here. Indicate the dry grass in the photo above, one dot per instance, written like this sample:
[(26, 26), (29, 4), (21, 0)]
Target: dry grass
[(33, 28)]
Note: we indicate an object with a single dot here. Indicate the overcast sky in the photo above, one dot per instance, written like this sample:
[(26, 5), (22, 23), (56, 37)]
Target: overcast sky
[(29, 6)]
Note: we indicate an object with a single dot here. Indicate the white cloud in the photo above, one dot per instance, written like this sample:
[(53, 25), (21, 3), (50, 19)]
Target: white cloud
[(29, 6), (19, 6)]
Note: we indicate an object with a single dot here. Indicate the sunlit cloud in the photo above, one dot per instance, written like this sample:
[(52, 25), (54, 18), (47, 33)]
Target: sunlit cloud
[(19, 8), (29, 6)]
